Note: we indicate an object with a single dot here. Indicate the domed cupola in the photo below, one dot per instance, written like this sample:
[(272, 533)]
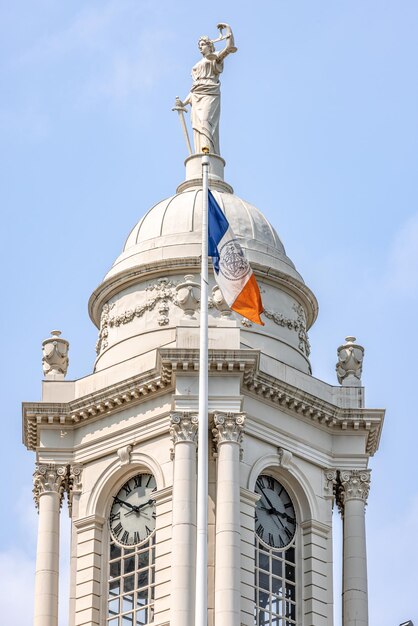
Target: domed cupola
[(137, 307)]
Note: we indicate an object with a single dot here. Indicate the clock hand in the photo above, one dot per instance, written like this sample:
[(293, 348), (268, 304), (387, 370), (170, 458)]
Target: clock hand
[(123, 503), (149, 503), (137, 509), (268, 501)]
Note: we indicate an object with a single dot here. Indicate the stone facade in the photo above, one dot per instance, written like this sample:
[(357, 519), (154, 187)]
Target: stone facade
[(137, 413)]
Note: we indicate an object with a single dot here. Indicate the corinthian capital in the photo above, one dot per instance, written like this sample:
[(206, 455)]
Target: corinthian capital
[(183, 427), (49, 478), (228, 427), (74, 485), (353, 485)]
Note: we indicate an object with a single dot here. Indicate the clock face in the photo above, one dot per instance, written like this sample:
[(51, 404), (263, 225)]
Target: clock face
[(132, 516), (275, 519)]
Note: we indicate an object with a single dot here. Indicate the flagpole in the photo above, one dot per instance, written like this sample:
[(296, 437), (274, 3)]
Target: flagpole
[(201, 606)]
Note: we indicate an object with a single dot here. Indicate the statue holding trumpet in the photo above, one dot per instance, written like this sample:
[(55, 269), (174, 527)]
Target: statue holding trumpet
[(205, 93)]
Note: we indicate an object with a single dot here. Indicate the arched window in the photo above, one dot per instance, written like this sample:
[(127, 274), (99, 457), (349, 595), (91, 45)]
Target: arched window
[(131, 580), (275, 555)]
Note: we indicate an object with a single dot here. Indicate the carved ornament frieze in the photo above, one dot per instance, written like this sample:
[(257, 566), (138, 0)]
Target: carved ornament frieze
[(298, 325)]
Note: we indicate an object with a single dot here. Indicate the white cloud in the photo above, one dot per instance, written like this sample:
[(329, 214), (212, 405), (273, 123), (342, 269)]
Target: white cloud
[(402, 273)]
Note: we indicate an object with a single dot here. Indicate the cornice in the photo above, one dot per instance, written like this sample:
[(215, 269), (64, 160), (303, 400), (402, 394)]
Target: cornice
[(307, 406), (93, 406), (170, 361)]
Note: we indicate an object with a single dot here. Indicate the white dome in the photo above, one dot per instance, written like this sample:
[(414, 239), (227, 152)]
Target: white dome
[(172, 229)]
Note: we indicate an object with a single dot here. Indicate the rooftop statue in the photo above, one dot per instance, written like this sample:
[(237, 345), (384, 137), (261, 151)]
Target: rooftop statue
[(205, 93)]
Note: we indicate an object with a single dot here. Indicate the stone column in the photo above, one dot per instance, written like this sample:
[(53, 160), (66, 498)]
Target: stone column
[(184, 427), (228, 436), (352, 495), (49, 484)]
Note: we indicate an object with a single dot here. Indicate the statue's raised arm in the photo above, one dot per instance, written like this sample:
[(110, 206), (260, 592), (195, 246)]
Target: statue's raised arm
[(205, 93)]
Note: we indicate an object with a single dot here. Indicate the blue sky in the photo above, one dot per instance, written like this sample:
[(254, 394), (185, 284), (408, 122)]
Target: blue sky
[(319, 130)]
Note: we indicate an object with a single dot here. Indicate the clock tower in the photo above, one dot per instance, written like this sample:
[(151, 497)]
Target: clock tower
[(119, 445)]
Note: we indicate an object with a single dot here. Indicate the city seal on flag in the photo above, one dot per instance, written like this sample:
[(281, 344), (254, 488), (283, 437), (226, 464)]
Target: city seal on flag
[(232, 263), (232, 270)]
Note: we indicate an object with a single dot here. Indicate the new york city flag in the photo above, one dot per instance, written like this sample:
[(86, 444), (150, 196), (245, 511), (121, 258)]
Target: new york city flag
[(233, 273)]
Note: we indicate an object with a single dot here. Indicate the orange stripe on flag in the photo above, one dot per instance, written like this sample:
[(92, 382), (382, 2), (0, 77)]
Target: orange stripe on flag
[(248, 303)]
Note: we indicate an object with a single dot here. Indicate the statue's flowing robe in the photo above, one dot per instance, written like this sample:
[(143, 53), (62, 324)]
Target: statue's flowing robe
[(206, 104)]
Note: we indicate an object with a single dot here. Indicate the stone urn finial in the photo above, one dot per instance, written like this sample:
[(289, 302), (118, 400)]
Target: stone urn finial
[(55, 356), (350, 363), (188, 296), (220, 303)]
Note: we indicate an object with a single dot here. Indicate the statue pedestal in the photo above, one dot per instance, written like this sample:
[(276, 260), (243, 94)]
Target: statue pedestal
[(194, 173)]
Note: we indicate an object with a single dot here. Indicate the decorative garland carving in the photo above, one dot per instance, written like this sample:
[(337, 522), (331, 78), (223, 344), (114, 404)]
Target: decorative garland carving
[(298, 325), (49, 478), (163, 290), (102, 341), (352, 485)]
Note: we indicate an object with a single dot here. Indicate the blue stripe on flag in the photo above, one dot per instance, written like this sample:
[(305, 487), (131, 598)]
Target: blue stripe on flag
[(217, 226)]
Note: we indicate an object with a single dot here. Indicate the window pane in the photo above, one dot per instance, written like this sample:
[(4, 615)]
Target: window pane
[(277, 568), (263, 618), (290, 572), (128, 620), (113, 607), (129, 565), (114, 588), (277, 586), (290, 555), (143, 559), (263, 599), (290, 610), (263, 561), (128, 603), (142, 617), (113, 622), (128, 583), (143, 578), (142, 597), (277, 605), (263, 581), (114, 551), (114, 570), (291, 592)]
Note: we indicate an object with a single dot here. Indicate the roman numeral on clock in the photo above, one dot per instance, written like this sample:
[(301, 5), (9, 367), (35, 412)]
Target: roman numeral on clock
[(117, 529), (127, 489), (260, 530), (114, 517), (137, 481), (137, 538), (125, 537)]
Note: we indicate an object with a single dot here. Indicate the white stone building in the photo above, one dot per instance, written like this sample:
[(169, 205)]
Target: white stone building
[(121, 442)]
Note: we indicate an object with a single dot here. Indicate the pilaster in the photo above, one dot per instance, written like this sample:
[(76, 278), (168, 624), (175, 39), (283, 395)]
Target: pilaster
[(90, 545)]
